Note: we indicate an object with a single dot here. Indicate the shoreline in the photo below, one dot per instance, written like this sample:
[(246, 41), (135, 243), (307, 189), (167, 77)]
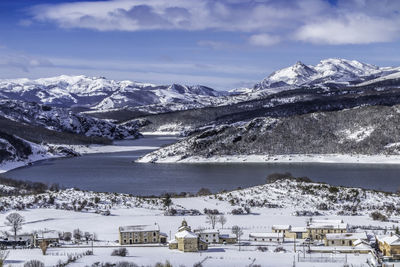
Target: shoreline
[(303, 158)]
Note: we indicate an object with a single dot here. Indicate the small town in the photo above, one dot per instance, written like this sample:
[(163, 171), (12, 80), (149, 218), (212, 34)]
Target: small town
[(318, 241)]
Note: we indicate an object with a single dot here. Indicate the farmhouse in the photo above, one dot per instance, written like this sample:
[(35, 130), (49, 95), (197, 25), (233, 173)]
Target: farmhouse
[(50, 237), (281, 228), (267, 237), (227, 238), (344, 239), (389, 245), (186, 240), (297, 233), (210, 236), (317, 229), (141, 234)]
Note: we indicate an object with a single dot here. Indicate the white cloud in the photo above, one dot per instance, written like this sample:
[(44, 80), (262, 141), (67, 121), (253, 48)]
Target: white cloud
[(315, 21), (264, 39), (350, 29), (22, 61)]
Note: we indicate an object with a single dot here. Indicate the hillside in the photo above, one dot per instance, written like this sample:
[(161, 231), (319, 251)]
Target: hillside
[(367, 130)]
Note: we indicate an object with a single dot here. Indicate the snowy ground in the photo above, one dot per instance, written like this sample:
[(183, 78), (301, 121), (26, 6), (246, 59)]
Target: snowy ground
[(308, 158), (106, 227)]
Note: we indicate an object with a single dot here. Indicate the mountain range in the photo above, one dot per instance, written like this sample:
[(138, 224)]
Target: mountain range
[(86, 110)]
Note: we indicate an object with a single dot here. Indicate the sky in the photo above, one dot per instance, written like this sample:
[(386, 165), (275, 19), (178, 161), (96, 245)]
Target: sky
[(223, 44)]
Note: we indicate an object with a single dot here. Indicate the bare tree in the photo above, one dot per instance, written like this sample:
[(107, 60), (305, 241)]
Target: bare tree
[(14, 220), (222, 220), (238, 232), (3, 257), (77, 235), (211, 219), (43, 246)]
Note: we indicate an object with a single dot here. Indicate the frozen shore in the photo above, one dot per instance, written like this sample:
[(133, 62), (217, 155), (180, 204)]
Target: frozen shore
[(298, 158)]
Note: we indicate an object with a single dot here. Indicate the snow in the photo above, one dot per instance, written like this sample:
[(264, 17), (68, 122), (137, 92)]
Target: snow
[(294, 158), (260, 220), (331, 70)]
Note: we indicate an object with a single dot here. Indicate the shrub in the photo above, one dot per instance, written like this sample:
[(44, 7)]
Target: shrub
[(166, 264), (279, 249), (238, 211), (377, 216), (262, 249), (122, 252), (204, 192), (34, 263)]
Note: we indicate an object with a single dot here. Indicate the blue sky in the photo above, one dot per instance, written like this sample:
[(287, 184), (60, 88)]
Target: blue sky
[(223, 44)]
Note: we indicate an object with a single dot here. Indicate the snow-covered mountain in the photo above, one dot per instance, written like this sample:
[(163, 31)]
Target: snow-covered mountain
[(100, 93), (327, 73)]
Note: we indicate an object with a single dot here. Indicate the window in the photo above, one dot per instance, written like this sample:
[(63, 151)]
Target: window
[(124, 240), (342, 242), (350, 243), (154, 233), (332, 242), (270, 239), (145, 240), (136, 240), (154, 239), (214, 240)]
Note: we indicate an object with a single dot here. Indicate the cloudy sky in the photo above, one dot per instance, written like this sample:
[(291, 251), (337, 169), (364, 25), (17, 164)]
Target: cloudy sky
[(220, 43)]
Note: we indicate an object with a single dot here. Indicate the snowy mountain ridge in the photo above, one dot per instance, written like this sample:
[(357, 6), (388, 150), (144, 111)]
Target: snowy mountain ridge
[(328, 72), (100, 93)]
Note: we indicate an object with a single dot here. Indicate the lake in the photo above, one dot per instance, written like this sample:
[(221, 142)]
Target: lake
[(116, 172)]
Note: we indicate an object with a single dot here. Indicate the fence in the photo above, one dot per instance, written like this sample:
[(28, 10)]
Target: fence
[(322, 258)]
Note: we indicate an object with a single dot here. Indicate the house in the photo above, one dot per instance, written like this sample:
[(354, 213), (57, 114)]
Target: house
[(344, 239), (24, 240), (227, 238), (297, 233), (141, 234), (281, 228), (317, 229), (389, 245), (50, 237), (186, 240), (267, 237), (210, 236)]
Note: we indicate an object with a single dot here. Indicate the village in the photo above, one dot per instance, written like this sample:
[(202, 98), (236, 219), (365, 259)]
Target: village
[(319, 241)]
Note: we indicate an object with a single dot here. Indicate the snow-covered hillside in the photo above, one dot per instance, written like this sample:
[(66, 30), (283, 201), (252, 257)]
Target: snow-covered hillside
[(64, 120), (327, 73), (371, 130), (101, 93)]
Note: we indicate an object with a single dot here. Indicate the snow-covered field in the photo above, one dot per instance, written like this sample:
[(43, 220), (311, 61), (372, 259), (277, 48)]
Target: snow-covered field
[(270, 204), (106, 228)]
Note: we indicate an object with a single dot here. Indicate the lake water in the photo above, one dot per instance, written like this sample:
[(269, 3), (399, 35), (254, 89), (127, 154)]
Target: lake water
[(115, 172)]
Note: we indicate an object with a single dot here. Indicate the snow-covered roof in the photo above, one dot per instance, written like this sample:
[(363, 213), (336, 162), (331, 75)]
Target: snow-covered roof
[(206, 231), (326, 221), (327, 225), (185, 234), (266, 235), (173, 241), (47, 235), (139, 228), (347, 236), (298, 229), (227, 235), (280, 227), (393, 240)]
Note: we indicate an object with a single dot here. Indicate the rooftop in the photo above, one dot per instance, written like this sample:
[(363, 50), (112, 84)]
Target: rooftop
[(347, 236), (185, 234), (139, 228), (280, 227)]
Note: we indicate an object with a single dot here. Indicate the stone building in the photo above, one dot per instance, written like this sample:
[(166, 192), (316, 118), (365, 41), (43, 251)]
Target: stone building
[(344, 239), (317, 229), (267, 237), (50, 237), (141, 234), (210, 236), (389, 245), (186, 240)]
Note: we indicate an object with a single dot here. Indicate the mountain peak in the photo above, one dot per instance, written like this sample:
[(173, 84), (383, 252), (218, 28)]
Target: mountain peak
[(328, 70)]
